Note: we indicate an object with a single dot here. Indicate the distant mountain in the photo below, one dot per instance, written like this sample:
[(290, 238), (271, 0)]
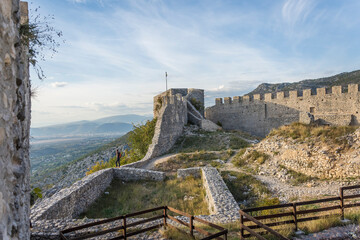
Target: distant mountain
[(129, 118), (342, 79), (115, 125)]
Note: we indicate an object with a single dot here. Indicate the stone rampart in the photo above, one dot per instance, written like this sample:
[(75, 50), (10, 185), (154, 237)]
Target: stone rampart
[(14, 123), (70, 202), (258, 114)]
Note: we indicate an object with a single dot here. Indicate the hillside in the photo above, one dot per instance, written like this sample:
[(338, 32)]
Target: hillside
[(55, 177), (300, 153), (342, 79)]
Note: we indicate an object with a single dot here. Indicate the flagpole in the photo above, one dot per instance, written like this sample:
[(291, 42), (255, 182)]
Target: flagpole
[(166, 80)]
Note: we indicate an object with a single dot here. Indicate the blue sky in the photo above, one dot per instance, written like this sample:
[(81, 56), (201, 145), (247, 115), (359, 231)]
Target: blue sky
[(117, 51)]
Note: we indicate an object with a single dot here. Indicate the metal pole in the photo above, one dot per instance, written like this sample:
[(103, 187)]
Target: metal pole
[(166, 80)]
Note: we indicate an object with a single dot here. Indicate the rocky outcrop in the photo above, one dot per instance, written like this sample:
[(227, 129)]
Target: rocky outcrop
[(313, 157), (14, 124)]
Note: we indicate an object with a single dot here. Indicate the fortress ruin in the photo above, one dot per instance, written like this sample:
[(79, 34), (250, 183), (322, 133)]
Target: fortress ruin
[(258, 114)]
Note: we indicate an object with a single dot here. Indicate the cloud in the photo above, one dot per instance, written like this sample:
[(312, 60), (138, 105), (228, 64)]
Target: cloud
[(59, 84), (79, 1), (294, 11)]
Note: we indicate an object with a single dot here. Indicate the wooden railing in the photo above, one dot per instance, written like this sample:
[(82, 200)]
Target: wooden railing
[(123, 232), (293, 211)]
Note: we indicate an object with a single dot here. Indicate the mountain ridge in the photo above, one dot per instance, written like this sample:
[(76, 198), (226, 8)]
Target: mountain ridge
[(341, 79), (113, 125)]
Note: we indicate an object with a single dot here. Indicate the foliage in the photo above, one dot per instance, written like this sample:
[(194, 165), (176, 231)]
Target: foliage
[(176, 234), (195, 159), (159, 103), (297, 177), (246, 189), (197, 104), (186, 195), (237, 142), (327, 134), (140, 139), (40, 37), (252, 157), (35, 194)]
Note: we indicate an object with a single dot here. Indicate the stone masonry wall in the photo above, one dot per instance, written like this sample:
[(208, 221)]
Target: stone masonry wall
[(14, 124), (171, 120), (258, 114), (188, 93), (70, 202)]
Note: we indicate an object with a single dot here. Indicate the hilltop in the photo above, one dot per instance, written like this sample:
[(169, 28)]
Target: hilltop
[(342, 79)]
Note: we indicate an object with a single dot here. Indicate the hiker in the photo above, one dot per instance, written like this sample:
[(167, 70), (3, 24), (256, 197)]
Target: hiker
[(118, 156)]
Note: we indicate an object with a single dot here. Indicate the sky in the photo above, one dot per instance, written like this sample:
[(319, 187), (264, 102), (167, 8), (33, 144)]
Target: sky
[(116, 52)]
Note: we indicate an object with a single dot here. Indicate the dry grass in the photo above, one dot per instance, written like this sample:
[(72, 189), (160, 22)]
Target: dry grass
[(175, 234), (195, 159), (304, 132), (128, 197), (254, 156)]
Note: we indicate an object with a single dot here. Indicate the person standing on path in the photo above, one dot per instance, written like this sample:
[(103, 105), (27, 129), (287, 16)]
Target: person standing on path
[(118, 157)]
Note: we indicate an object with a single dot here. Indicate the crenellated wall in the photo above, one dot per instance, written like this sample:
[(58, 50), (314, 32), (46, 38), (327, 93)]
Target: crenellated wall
[(258, 114), (14, 124)]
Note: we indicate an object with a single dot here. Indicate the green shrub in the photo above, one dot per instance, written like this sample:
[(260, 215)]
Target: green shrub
[(139, 140), (253, 157), (197, 104)]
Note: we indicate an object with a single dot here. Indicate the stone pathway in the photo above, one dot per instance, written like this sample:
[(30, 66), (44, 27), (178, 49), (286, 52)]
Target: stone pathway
[(348, 232), (152, 163)]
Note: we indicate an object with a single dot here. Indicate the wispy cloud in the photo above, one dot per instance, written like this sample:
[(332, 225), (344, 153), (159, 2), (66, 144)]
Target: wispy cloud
[(116, 54), (59, 84)]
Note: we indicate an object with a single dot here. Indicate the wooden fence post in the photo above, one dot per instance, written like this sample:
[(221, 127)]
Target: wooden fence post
[(342, 203), (241, 227), (295, 216), (165, 216), (192, 226), (124, 225)]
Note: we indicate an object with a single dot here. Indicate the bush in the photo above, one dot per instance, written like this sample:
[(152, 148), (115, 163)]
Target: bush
[(254, 156), (197, 104), (139, 140)]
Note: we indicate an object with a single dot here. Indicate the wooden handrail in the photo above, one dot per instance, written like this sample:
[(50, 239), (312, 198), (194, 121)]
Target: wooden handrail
[(270, 230), (164, 215)]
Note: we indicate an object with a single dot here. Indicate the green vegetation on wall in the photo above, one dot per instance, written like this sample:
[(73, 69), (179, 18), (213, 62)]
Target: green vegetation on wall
[(139, 140)]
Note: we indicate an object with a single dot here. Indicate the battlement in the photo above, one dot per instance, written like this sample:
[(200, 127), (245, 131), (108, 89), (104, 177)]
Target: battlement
[(335, 91)]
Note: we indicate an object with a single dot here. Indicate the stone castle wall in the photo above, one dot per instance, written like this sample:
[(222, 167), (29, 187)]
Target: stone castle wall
[(188, 93), (171, 119), (71, 202), (14, 124), (258, 114)]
